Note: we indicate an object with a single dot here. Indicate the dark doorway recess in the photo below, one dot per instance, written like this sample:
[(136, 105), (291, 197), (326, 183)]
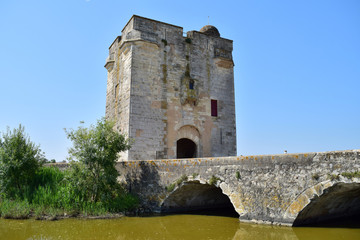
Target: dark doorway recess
[(185, 148), (338, 206), (200, 199)]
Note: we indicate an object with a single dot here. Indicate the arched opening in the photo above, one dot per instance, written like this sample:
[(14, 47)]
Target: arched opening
[(338, 206), (201, 199), (185, 148)]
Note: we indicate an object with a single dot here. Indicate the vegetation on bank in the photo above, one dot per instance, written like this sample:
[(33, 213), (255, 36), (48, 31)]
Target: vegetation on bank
[(88, 187)]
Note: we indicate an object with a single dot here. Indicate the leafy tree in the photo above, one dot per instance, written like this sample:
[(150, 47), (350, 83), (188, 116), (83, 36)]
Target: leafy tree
[(19, 160), (96, 148)]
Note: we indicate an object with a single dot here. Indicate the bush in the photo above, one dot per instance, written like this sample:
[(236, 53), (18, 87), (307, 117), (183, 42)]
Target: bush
[(19, 160), (96, 148), (89, 186)]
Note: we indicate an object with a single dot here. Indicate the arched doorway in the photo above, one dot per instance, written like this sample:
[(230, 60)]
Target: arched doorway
[(185, 148), (201, 199)]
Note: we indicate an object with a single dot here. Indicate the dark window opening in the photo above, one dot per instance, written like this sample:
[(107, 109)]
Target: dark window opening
[(214, 108), (116, 90), (185, 148), (191, 84)]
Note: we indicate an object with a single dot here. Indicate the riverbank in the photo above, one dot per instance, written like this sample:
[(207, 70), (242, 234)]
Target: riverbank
[(55, 194), (23, 210)]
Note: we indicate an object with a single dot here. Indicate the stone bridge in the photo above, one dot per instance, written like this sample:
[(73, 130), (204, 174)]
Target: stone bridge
[(287, 189)]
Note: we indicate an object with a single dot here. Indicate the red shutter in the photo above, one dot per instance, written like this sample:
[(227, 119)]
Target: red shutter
[(214, 110)]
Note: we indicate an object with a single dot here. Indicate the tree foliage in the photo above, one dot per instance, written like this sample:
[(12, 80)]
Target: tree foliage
[(96, 148), (19, 160)]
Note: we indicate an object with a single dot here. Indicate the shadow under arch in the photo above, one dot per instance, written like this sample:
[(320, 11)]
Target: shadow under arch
[(193, 197), (338, 205)]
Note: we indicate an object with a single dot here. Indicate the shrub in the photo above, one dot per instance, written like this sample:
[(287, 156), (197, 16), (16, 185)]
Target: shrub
[(96, 149), (19, 160)]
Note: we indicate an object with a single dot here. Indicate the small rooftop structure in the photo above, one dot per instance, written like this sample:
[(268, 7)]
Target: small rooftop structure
[(210, 31)]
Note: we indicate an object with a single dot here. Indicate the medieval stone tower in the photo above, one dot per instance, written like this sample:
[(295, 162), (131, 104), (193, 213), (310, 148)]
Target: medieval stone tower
[(172, 94)]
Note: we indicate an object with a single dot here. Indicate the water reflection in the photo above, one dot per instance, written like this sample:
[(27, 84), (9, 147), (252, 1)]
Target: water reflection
[(164, 227), (264, 232)]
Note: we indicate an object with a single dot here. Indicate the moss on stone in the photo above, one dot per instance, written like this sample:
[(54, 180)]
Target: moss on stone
[(213, 180), (334, 177), (351, 175), (237, 175)]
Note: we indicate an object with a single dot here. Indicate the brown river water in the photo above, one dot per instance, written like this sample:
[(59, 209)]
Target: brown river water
[(163, 227)]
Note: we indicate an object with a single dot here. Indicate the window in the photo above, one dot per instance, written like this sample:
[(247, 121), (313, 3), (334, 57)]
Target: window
[(116, 90), (214, 110), (191, 84)]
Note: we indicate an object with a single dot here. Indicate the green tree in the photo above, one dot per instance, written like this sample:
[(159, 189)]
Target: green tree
[(96, 148), (19, 160)]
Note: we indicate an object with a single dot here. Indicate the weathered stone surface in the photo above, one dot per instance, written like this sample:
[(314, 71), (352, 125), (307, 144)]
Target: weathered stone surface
[(267, 189), (160, 86)]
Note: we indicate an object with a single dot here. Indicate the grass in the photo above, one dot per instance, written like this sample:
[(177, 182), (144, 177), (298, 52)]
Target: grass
[(237, 175), (213, 180), (351, 175), (15, 209), (182, 179), (334, 177), (51, 196), (178, 182), (171, 187), (22, 209)]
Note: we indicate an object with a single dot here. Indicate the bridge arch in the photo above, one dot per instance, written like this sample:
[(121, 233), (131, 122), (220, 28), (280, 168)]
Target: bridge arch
[(198, 196), (326, 203)]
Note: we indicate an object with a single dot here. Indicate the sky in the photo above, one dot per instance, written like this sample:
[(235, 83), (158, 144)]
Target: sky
[(297, 67)]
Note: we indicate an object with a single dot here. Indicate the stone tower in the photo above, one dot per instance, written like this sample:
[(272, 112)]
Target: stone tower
[(172, 94)]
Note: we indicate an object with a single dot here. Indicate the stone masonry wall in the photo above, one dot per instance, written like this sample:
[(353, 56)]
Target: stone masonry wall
[(150, 68), (267, 188)]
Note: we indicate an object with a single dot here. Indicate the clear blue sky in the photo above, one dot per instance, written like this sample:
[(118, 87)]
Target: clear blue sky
[(297, 67)]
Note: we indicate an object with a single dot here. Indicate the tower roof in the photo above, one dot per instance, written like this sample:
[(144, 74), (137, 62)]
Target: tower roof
[(210, 31)]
